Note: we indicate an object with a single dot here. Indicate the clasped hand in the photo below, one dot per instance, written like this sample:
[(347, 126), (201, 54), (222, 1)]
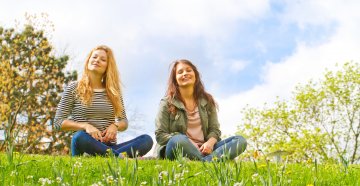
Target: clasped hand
[(106, 136), (206, 148)]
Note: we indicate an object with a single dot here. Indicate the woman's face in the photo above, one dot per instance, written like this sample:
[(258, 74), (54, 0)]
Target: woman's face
[(98, 62), (185, 75)]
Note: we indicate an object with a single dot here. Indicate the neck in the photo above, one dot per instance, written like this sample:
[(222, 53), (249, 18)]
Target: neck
[(96, 81), (187, 93)]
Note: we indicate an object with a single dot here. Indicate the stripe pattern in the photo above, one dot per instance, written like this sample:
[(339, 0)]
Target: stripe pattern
[(100, 113)]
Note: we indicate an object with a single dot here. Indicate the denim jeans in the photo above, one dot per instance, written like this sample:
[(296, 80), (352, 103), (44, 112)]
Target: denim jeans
[(228, 148), (82, 142)]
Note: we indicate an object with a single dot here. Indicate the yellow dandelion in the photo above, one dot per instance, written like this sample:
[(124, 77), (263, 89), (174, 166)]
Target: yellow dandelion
[(214, 158), (124, 154), (256, 154)]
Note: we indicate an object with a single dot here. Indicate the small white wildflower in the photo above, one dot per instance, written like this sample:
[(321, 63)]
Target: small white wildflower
[(143, 183), (163, 173), (239, 184), (78, 164), (58, 179), (45, 181), (14, 173), (97, 184), (177, 176), (109, 179), (170, 182), (255, 176), (121, 180), (29, 177)]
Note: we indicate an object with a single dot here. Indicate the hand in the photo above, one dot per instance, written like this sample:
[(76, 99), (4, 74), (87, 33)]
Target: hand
[(94, 132), (207, 148), (110, 133), (122, 125)]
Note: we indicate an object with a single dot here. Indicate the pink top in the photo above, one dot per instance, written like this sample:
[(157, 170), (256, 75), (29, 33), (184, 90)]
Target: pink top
[(194, 128)]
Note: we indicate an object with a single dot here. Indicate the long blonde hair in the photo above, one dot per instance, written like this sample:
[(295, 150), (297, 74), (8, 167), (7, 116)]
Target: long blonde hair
[(111, 82)]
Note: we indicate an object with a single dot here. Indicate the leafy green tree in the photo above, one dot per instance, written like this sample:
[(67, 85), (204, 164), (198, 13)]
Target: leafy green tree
[(322, 120), (31, 80)]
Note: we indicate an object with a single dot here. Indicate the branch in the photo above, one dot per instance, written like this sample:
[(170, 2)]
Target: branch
[(11, 122)]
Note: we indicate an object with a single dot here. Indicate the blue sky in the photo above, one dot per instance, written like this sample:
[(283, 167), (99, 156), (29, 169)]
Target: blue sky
[(248, 52)]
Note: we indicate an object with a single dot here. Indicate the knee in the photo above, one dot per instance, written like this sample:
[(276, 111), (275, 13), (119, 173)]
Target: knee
[(179, 139), (241, 141), (147, 140), (78, 136)]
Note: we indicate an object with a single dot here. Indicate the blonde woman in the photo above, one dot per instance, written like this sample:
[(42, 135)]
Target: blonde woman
[(94, 108)]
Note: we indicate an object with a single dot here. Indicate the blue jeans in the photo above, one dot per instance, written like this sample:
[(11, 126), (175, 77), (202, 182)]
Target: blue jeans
[(230, 148), (82, 142)]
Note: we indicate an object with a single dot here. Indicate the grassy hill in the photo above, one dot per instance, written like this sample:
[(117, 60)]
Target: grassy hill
[(65, 170)]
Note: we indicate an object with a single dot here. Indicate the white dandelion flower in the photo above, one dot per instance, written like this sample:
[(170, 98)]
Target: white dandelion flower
[(78, 164), (58, 179)]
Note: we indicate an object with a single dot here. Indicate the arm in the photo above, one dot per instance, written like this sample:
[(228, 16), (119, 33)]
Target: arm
[(65, 105), (120, 124), (88, 128), (214, 126), (214, 133), (162, 124), (64, 110)]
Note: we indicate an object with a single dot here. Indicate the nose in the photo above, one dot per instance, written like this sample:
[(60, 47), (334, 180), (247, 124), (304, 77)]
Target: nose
[(184, 73)]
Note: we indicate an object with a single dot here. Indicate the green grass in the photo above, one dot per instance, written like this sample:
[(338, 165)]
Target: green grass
[(65, 170)]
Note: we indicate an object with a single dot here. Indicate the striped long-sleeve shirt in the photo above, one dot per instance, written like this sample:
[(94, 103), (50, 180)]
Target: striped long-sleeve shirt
[(100, 113)]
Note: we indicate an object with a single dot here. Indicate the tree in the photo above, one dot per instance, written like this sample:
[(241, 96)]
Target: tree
[(322, 120), (31, 81)]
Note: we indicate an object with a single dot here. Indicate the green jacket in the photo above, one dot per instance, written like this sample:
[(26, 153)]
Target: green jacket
[(168, 125)]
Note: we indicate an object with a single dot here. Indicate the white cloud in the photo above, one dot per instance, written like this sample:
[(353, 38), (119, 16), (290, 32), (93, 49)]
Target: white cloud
[(203, 16), (237, 65), (307, 62)]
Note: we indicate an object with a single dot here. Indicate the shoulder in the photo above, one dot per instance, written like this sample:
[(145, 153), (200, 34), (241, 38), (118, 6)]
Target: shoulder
[(172, 102), (71, 87), (164, 102), (204, 103)]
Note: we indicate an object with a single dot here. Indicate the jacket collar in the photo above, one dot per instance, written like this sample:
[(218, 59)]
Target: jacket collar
[(178, 104)]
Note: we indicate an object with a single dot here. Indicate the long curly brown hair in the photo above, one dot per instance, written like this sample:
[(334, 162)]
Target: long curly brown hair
[(199, 89), (111, 82)]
